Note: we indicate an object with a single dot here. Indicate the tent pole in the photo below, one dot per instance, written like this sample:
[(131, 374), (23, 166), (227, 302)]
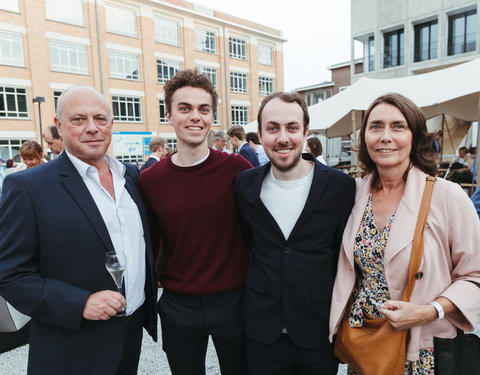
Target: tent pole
[(443, 132), (326, 146), (354, 127)]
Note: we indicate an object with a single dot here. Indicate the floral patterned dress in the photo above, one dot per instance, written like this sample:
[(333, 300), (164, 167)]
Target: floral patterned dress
[(371, 289)]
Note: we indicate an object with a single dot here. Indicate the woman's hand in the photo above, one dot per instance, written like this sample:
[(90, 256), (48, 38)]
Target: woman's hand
[(405, 315)]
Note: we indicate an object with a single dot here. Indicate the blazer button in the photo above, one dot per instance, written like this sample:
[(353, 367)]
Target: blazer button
[(419, 275), (288, 250)]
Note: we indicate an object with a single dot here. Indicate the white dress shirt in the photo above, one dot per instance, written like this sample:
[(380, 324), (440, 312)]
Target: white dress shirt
[(123, 222)]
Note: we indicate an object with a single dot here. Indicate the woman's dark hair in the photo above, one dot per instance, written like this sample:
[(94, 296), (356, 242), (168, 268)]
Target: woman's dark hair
[(10, 163), (315, 146), (422, 155)]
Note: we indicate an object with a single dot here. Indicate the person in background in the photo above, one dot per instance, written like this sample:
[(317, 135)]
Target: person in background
[(10, 166), (314, 147), (236, 134), (254, 142), (32, 155), (396, 155), (220, 142), (464, 166), (158, 150), (53, 139)]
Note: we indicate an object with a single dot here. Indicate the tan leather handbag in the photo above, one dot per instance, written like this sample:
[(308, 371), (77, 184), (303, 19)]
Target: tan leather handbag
[(377, 348)]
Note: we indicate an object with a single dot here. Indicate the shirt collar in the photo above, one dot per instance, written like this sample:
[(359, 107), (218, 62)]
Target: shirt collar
[(82, 167)]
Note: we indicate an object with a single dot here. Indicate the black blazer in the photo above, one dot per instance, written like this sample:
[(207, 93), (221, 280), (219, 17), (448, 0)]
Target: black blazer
[(249, 153), (53, 242), (290, 281)]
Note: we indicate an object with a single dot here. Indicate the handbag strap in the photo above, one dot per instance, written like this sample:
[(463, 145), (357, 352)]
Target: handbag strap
[(417, 245)]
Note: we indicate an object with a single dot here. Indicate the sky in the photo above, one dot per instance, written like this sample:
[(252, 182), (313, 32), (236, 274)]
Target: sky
[(317, 33)]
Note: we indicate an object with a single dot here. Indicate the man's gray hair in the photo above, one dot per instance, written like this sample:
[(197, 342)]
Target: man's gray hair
[(61, 99), (219, 135)]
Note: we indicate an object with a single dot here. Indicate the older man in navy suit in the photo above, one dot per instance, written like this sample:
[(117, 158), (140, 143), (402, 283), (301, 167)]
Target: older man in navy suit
[(295, 210), (57, 222)]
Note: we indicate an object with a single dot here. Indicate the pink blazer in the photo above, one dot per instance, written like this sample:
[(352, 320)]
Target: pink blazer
[(451, 256)]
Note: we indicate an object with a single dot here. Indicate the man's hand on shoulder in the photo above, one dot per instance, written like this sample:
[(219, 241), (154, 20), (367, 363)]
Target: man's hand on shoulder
[(103, 305)]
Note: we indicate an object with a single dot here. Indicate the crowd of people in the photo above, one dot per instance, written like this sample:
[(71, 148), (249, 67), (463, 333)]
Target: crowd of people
[(267, 251)]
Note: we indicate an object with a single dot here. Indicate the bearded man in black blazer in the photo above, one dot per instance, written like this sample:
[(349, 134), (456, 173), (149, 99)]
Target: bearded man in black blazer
[(57, 222), (294, 211)]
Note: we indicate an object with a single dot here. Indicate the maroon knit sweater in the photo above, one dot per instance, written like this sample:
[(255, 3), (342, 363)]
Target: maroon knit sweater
[(194, 215)]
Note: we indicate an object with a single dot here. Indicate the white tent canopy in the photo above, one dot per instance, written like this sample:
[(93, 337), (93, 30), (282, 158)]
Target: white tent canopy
[(453, 91)]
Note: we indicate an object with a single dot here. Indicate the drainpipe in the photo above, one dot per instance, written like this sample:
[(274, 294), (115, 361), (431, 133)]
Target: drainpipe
[(226, 75), (99, 49)]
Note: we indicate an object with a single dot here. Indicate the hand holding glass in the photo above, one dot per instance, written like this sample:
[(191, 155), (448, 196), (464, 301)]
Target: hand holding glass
[(115, 264)]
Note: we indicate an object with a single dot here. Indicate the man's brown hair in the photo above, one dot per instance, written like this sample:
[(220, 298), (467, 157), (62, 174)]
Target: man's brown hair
[(237, 131), (189, 78), (288, 97)]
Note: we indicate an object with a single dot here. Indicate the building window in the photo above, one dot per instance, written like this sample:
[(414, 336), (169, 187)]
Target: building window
[(239, 115), (426, 38), (265, 85), (163, 111), (462, 30), (13, 102), (167, 31), (265, 54), (238, 48), (68, 57), (68, 11), (167, 69), (215, 118), (211, 73), (393, 48), (126, 109), (10, 149), (56, 95), (121, 21), (11, 5), (238, 82), (130, 158), (123, 65), (11, 49), (371, 54), (172, 143), (205, 41)]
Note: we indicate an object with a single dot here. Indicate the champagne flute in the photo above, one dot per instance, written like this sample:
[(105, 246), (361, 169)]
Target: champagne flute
[(115, 264)]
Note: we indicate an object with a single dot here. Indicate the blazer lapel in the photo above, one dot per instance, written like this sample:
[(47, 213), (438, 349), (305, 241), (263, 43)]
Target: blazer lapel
[(257, 201), (74, 184)]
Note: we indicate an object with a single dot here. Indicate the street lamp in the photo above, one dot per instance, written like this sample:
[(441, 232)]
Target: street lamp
[(39, 100)]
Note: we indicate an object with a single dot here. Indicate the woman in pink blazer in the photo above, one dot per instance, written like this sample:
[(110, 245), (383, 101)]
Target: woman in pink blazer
[(396, 154)]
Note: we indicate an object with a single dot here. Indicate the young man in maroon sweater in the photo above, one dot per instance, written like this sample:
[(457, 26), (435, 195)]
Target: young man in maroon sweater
[(203, 257)]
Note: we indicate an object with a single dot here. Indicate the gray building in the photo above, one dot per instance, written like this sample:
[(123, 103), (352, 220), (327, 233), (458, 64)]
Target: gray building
[(399, 38)]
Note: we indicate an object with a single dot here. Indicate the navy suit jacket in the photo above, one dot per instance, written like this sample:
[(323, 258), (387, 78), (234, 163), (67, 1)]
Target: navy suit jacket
[(249, 153), (53, 242), (290, 281), (151, 161)]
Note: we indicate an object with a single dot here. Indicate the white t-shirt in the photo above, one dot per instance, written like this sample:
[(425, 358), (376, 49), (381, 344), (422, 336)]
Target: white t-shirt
[(285, 199)]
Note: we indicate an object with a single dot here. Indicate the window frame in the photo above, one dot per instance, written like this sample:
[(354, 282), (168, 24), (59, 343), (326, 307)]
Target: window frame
[(161, 103), (239, 111), (465, 46), (9, 8), (397, 57), (80, 49), (123, 57), (166, 23), (239, 82), (53, 8), (270, 61), (114, 28), (267, 81), (432, 45), (207, 39), (210, 72), (12, 61), (135, 100), (371, 53), (238, 44), (169, 64), (4, 100)]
